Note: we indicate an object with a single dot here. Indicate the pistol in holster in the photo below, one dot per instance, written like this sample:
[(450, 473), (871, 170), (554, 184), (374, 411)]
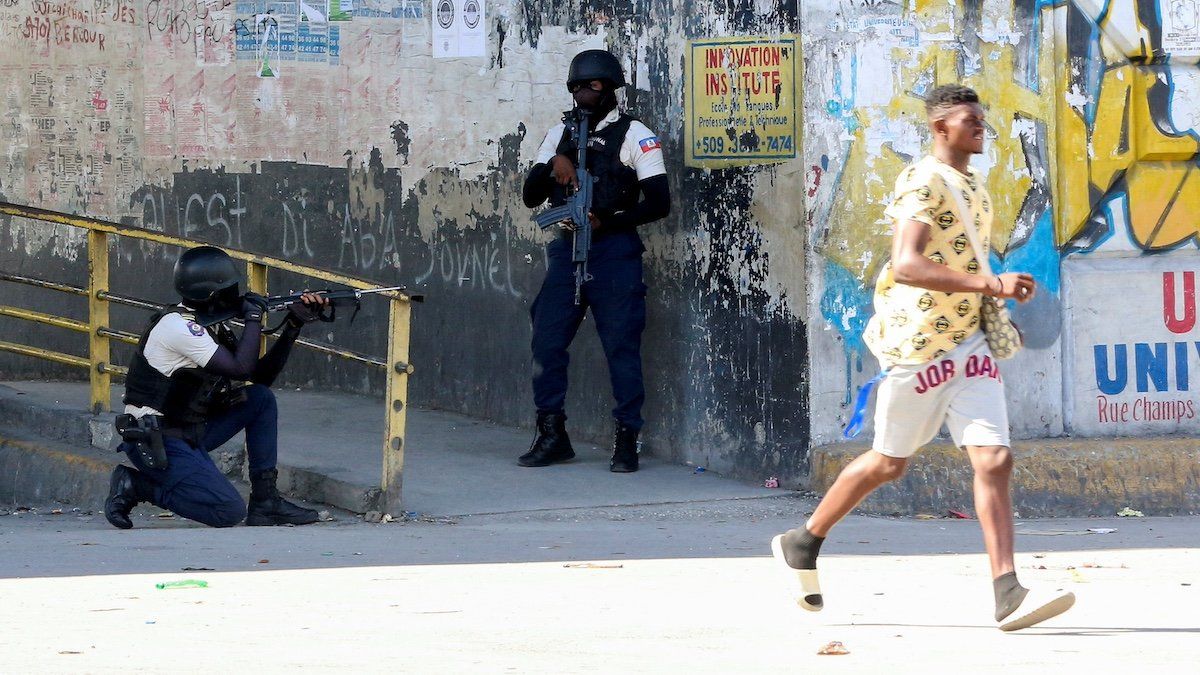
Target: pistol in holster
[(145, 434)]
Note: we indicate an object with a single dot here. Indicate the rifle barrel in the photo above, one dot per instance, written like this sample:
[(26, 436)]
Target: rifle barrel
[(381, 290)]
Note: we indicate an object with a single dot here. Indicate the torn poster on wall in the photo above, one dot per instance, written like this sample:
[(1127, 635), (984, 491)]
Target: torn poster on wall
[(1181, 27), (459, 29), (270, 32), (742, 102)]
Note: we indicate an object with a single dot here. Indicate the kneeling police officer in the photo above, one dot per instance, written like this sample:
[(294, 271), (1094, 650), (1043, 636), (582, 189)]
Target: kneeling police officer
[(191, 386)]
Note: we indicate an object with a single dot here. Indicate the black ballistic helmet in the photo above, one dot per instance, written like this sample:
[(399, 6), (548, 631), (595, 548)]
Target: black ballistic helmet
[(596, 64), (206, 274)]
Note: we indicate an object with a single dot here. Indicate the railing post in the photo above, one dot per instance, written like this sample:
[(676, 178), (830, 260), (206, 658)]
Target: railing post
[(256, 282), (98, 347), (397, 372)]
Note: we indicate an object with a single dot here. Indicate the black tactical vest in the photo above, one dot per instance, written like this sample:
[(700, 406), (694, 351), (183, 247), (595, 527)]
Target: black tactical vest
[(616, 186), (186, 397)]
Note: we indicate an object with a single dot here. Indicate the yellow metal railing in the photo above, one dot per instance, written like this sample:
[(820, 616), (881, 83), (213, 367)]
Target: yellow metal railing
[(98, 361)]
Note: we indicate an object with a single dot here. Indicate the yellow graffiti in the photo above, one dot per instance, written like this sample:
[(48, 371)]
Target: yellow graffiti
[(856, 223), (1122, 151), (1162, 188)]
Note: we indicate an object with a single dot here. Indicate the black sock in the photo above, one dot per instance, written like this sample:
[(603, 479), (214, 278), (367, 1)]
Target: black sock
[(1009, 594), (800, 548)]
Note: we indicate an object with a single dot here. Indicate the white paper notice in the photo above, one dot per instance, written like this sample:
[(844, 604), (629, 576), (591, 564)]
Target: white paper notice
[(459, 29), (1181, 27)]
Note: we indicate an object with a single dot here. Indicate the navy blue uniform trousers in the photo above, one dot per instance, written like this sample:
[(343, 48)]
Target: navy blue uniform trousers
[(192, 486), (617, 298)]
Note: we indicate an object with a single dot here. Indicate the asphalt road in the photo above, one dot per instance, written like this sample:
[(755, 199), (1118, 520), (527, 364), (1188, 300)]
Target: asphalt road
[(677, 588)]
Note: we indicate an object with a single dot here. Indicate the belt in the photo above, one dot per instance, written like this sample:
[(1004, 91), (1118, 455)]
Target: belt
[(192, 433)]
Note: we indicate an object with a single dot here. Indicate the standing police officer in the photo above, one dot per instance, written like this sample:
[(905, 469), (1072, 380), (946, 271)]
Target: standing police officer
[(181, 401), (631, 189)]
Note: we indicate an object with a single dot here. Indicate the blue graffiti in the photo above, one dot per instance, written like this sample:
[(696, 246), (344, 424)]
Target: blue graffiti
[(1038, 256), (846, 304)]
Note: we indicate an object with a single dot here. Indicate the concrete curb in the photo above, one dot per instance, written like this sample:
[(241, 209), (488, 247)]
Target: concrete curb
[(60, 454), (1051, 477), (37, 472), (54, 423), (311, 486)]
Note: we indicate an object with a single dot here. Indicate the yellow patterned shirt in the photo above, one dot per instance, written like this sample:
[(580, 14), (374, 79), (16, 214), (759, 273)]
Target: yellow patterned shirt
[(914, 325)]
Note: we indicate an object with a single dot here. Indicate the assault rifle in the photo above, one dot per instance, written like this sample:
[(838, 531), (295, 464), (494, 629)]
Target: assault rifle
[(280, 303), (574, 214)]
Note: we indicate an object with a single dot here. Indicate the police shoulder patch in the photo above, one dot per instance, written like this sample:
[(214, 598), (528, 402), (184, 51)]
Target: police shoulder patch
[(195, 328)]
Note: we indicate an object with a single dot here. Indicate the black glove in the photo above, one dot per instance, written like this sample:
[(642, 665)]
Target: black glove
[(253, 307), (301, 313)]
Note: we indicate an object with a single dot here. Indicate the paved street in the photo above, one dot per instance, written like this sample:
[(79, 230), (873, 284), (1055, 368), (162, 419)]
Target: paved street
[(676, 588)]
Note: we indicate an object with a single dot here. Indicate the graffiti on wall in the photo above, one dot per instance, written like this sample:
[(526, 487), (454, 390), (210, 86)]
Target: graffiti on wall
[(1093, 141), (1129, 141), (1129, 131), (874, 97), (353, 218)]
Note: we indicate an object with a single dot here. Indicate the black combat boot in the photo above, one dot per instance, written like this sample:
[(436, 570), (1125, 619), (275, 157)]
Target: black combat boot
[(268, 508), (625, 450), (126, 488), (551, 445)]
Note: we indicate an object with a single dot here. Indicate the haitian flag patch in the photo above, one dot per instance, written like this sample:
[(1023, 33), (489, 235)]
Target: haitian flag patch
[(648, 144)]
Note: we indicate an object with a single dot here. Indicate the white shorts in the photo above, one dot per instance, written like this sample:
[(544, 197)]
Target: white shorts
[(963, 389)]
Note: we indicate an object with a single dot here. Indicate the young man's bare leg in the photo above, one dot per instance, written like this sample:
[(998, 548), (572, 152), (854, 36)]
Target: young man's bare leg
[(860, 478), (993, 505), (798, 548)]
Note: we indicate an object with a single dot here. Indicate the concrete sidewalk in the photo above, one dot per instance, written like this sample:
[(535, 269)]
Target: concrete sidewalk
[(667, 589), (331, 452)]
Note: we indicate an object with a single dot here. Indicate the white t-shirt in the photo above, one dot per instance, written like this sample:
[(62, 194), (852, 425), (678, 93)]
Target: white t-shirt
[(175, 342), (641, 150)]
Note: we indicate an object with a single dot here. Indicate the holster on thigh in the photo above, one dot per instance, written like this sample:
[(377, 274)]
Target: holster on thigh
[(145, 434)]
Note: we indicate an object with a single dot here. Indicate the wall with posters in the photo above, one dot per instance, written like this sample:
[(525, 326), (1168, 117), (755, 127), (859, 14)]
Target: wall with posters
[(379, 138)]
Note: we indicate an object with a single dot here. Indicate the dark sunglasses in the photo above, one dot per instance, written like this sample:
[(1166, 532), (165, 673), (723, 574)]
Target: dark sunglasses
[(594, 85)]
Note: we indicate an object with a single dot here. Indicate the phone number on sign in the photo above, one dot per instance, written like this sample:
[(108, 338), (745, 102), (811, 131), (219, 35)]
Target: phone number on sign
[(716, 145)]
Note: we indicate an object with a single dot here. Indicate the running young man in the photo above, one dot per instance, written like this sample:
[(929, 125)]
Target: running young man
[(925, 333)]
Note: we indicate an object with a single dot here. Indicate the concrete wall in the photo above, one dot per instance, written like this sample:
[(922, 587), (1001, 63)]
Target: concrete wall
[(364, 154), (1091, 160)]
